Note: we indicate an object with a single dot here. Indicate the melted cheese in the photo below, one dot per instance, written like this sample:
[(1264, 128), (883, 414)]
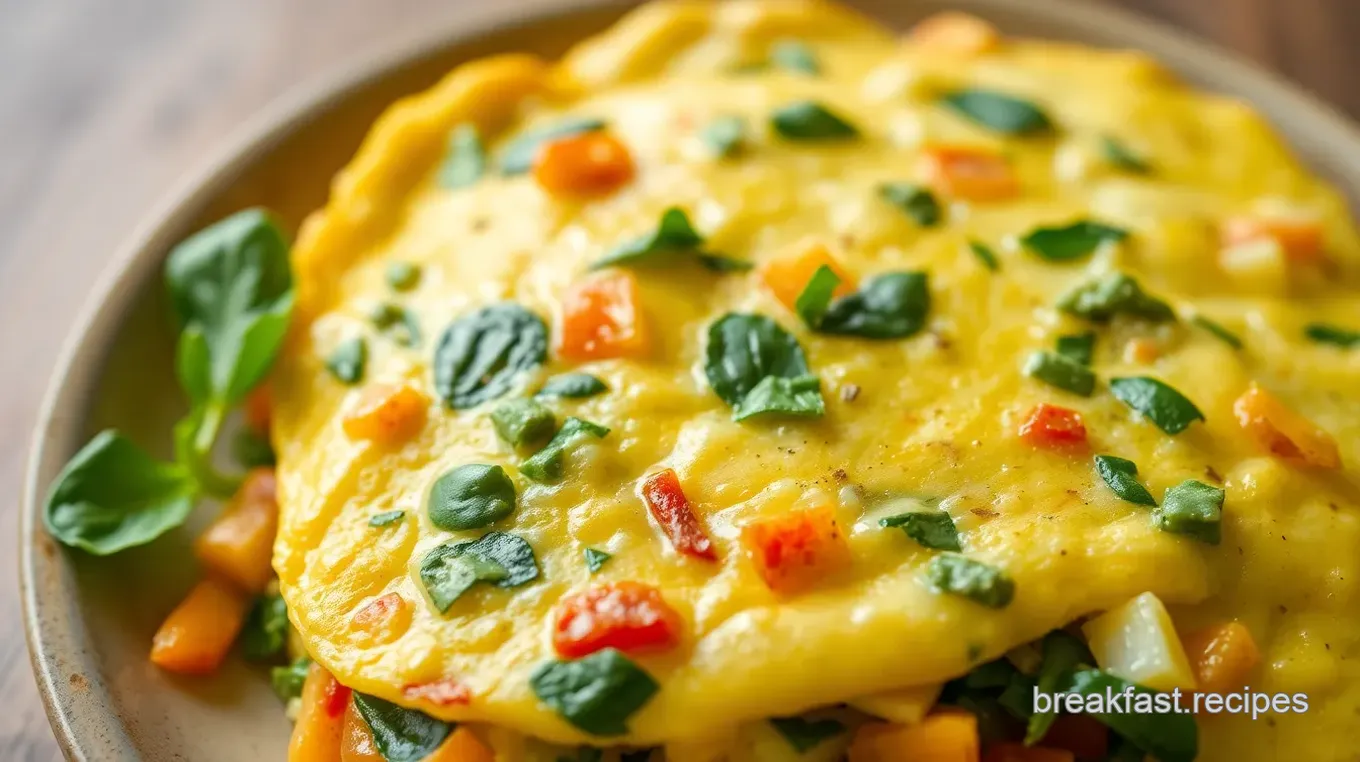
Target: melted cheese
[(936, 414)]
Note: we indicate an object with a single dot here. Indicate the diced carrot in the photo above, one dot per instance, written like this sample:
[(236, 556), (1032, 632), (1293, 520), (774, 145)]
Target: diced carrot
[(1141, 351), (1015, 752), (384, 619), (794, 551), (628, 616), (955, 32), (462, 746), (602, 318), (786, 277), (1222, 657), (672, 510), (940, 737), (588, 164), (1053, 427), (239, 544), (256, 409), (1301, 238), (971, 174), (446, 691), (356, 744), (1283, 432), (1079, 734), (319, 729), (387, 414), (197, 635)]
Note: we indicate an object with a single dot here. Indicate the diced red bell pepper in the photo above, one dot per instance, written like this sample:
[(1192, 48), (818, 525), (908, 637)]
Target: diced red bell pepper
[(672, 510), (1053, 427), (628, 616), (336, 698)]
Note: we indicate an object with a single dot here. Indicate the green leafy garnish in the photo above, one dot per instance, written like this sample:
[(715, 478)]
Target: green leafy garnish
[(1192, 508), (932, 529), (1170, 737), (1079, 348), (1121, 475), (595, 559), (386, 518), (597, 693), (815, 298), (470, 497), (482, 355), (466, 160), (674, 237), (1170, 410), (402, 276), (916, 201), (805, 735), (1332, 334), (1115, 294), (959, 575), (1120, 156), (547, 464), (985, 255), (743, 351), (999, 112), (888, 306), (801, 396), (726, 135), (401, 734), (1058, 371), (1062, 654), (252, 450), (1068, 242), (1223, 334), (397, 321), (518, 155), (346, 362), (572, 386), (795, 56), (523, 422), (287, 681), (266, 628), (449, 570), (809, 120)]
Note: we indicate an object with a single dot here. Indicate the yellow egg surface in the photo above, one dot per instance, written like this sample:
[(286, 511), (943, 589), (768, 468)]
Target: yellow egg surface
[(932, 417)]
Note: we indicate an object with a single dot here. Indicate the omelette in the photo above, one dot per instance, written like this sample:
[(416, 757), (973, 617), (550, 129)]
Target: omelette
[(757, 383)]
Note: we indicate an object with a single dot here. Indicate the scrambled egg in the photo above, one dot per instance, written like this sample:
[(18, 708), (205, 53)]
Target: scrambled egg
[(932, 417)]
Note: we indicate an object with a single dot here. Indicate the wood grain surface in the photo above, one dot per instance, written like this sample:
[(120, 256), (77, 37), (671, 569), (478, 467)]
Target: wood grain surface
[(104, 105)]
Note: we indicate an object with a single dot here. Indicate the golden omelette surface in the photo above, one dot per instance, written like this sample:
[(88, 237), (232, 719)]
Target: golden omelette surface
[(936, 413)]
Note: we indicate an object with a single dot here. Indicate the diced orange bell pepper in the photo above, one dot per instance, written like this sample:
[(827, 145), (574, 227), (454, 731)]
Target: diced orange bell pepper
[(239, 544), (1053, 427), (318, 732), (971, 174), (1222, 657), (356, 739), (385, 618), (940, 737), (197, 635), (589, 164), (955, 32), (256, 409), (1016, 752), (1283, 432), (387, 414), (628, 616), (794, 551), (1079, 734), (462, 746), (602, 318), (1301, 238), (788, 276)]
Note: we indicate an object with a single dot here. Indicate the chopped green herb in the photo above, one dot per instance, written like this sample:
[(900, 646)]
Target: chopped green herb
[(523, 422), (1331, 334), (1115, 294), (815, 297), (1068, 242), (597, 693), (674, 237), (1121, 475), (572, 386), (801, 396), (1058, 371), (470, 497), (1192, 508), (595, 559), (482, 355), (252, 450), (402, 276), (1062, 654), (466, 159), (386, 518), (547, 464), (916, 201), (932, 529), (726, 135), (795, 56), (1018, 696), (518, 156), (287, 681), (743, 349), (985, 255), (1170, 410), (1169, 737), (387, 316), (346, 362), (809, 120), (1226, 336), (805, 735), (1121, 157), (401, 734), (449, 570), (889, 306), (1002, 113), (266, 628), (959, 575), (993, 674), (1079, 348)]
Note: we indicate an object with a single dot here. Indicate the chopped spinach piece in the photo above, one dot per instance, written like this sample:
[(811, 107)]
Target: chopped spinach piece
[(1170, 410), (1079, 348), (346, 362), (1101, 299), (999, 112), (1331, 334), (1068, 242), (573, 386), (386, 317), (595, 559), (725, 135), (470, 497), (402, 276), (1223, 334), (547, 464), (1121, 475), (801, 395), (466, 159), (815, 298), (811, 121), (805, 735), (985, 255), (482, 355), (1120, 156), (795, 56), (916, 201), (386, 518), (932, 529), (401, 734), (743, 350), (597, 694), (287, 681), (266, 628), (1058, 371), (893, 305), (449, 570), (959, 575), (518, 155), (1169, 737), (1192, 508), (523, 422), (674, 237), (1063, 653)]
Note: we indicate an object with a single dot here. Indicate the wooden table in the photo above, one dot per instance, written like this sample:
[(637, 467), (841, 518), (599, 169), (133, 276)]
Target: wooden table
[(104, 105)]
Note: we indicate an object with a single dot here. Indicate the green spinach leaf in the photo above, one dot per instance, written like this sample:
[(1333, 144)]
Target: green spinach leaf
[(482, 355), (959, 575), (401, 734), (572, 386), (674, 238), (815, 298), (726, 136), (1192, 508), (597, 693), (466, 160), (889, 306), (1170, 737), (795, 56), (915, 201), (743, 349), (801, 395), (999, 112), (1122, 477), (347, 361), (805, 735), (1170, 410), (931, 529), (548, 464), (811, 121), (1068, 242), (266, 628), (470, 497), (1101, 299), (595, 559)]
